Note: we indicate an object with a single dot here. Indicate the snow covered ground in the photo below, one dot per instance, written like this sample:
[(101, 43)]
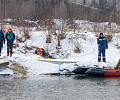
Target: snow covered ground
[(87, 57)]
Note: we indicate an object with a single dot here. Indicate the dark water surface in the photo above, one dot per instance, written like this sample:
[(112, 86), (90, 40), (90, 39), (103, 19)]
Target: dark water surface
[(60, 88)]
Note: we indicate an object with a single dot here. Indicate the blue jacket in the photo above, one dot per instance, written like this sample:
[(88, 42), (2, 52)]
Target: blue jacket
[(102, 43), (1, 38), (10, 36)]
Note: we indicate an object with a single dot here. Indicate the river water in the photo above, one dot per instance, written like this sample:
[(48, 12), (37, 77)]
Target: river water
[(60, 88)]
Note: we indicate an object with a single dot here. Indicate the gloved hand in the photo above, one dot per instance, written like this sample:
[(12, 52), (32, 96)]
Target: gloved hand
[(106, 47), (99, 46)]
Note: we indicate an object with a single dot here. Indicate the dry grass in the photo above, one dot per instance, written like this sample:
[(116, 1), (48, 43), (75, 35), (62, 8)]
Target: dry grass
[(18, 68), (28, 48), (77, 49), (104, 29), (26, 34), (15, 45), (109, 38)]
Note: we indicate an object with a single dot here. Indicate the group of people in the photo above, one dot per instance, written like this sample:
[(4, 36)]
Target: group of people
[(9, 37)]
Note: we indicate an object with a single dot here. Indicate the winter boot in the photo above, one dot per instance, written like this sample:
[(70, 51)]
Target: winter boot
[(10, 55), (104, 59), (99, 59)]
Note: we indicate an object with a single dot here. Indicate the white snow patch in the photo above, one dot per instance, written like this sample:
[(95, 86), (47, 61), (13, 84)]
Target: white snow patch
[(87, 57)]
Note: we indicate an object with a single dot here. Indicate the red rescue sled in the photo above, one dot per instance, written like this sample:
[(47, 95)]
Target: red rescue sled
[(103, 72)]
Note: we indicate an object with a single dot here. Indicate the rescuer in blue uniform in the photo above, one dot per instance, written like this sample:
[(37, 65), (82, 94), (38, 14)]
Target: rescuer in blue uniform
[(102, 45), (2, 39)]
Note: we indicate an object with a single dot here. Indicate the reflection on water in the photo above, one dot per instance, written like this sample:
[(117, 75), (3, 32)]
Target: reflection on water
[(60, 88)]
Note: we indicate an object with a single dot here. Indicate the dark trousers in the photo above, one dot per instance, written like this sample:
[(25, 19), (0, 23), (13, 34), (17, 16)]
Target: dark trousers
[(9, 49), (1, 45), (0, 49), (101, 51)]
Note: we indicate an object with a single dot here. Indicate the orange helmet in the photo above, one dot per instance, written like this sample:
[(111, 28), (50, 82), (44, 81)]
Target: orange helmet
[(9, 29)]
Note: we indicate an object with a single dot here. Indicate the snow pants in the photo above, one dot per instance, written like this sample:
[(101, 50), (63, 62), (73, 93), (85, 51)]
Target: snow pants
[(9, 49), (1, 45), (101, 51), (0, 49)]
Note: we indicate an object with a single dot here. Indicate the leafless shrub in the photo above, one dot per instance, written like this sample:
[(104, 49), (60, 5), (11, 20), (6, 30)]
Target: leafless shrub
[(26, 34), (104, 29), (109, 38), (28, 48), (62, 36), (23, 34), (15, 45), (77, 47), (19, 39), (49, 38)]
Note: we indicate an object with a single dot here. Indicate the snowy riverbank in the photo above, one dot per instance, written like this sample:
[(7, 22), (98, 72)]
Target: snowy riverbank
[(87, 56)]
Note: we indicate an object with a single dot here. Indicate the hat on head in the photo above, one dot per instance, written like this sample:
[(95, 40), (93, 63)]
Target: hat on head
[(37, 47), (9, 29), (101, 33)]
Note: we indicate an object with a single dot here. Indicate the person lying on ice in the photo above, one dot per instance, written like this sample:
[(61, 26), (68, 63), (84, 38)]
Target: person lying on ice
[(42, 52), (10, 36), (102, 45), (2, 38)]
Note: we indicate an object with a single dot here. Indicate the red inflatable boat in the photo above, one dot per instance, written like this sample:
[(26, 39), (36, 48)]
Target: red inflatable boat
[(103, 72)]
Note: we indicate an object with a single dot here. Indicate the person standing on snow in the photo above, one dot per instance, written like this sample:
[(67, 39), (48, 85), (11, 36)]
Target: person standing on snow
[(102, 45), (2, 38), (10, 36)]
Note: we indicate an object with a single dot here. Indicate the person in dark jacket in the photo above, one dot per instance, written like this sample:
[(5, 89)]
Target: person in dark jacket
[(2, 39), (10, 36), (102, 45)]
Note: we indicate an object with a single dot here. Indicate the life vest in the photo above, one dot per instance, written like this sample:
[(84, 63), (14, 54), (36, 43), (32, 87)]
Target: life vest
[(46, 51), (43, 53), (102, 42), (39, 51), (10, 35)]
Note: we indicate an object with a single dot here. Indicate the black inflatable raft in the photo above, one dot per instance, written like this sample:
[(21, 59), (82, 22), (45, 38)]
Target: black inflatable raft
[(80, 70)]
